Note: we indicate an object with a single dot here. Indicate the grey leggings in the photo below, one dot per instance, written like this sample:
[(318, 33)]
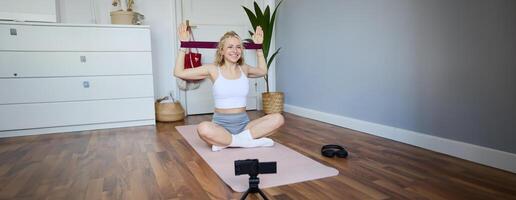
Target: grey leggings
[(234, 123)]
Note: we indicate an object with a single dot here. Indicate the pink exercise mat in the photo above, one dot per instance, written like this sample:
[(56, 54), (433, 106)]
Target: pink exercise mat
[(292, 167)]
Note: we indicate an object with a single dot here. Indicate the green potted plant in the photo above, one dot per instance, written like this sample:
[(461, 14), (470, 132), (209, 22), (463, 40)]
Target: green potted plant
[(272, 101)]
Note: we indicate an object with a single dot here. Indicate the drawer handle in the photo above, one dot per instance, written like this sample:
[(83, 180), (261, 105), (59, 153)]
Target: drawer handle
[(83, 59), (13, 31), (86, 84)]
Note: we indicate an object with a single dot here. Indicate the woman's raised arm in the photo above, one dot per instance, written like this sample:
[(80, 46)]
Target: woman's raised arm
[(179, 71), (261, 70)]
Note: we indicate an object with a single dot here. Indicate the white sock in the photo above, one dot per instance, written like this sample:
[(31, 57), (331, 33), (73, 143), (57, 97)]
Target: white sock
[(217, 148), (244, 139)]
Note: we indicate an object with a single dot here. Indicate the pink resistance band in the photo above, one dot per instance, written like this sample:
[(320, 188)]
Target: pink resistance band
[(213, 45)]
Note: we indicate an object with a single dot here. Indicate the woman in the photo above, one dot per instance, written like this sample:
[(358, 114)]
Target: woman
[(231, 126)]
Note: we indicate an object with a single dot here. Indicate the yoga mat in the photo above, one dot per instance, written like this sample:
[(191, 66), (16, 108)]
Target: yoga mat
[(292, 167)]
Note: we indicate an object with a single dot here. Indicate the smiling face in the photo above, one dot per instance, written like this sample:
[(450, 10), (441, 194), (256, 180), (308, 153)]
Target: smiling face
[(232, 50)]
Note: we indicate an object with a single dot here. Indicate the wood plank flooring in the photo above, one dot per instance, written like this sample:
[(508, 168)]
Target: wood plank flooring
[(155, 162)]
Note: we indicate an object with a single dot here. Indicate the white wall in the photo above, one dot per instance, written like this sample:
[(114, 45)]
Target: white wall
[(159, 14), (436, 74), (76, 11), (28, 10)]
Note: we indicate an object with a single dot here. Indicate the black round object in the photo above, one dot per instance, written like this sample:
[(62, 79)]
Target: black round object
[(332, 150)]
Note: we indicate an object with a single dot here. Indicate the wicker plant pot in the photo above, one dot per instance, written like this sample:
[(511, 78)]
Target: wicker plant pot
[(169, 112), (273, 102), (122, 17)]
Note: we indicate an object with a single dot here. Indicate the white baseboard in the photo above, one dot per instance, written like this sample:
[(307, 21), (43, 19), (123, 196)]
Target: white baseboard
[(38, 131), (479, 154)]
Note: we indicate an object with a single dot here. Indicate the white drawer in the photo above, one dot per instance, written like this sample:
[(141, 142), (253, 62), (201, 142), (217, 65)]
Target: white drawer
[(32, 90), (39, 64), (26, 116), (70, 38)]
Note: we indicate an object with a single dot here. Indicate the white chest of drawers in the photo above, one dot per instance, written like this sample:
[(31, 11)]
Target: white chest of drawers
[(60, 78)]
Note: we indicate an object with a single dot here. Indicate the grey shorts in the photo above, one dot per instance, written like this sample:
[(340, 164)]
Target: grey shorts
[(234, 123)]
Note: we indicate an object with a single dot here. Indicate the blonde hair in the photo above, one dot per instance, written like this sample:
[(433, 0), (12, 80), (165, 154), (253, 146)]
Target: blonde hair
[(219, 57)]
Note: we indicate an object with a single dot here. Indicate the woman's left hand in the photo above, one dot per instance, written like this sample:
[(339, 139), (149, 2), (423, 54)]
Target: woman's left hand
[(258, 35)]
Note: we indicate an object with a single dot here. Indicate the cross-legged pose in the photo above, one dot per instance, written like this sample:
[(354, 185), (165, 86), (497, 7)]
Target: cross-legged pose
[(231, 126)]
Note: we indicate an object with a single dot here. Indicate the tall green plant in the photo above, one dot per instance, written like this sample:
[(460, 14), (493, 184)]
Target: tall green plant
[(266, 21)]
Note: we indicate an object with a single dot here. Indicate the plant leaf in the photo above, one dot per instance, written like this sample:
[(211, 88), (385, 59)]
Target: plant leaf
[(273, 19), (262, 21), (266, 18), (258, 11), (272, 58), (270, 28), (266, 33), (266, 46), (251, 16), (267, 12), (276, 8), (251, 33)]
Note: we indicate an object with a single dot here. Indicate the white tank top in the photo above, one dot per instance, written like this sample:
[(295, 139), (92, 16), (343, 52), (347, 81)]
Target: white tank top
[(230, 93)]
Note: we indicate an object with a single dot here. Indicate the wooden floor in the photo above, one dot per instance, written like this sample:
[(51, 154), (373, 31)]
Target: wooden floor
[(155, 162)]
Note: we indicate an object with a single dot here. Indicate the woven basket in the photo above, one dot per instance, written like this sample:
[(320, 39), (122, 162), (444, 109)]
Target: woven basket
[(169, 112), (272, 102), (122, 17)]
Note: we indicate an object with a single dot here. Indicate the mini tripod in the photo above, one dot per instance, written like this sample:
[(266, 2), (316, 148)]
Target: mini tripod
[(253, 187)]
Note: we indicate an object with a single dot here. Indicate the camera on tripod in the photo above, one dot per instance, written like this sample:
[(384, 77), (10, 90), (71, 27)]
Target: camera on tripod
[(253, 167)]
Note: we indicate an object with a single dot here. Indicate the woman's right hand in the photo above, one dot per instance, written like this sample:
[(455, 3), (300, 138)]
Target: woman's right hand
[(183, 33)]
